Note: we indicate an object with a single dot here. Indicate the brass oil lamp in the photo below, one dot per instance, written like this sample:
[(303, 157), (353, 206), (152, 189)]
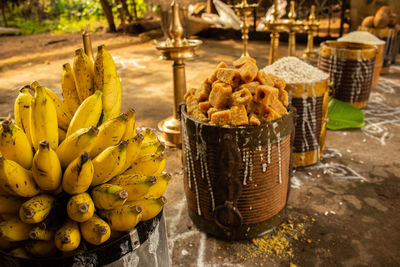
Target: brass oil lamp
[(311, 26)]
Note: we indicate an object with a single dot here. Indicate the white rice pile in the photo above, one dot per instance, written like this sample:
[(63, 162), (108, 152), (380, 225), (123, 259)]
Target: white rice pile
[(361, 37), (294, 70)]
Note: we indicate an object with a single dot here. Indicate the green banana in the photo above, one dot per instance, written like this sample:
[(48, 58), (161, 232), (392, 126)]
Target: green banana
[(95, 230), (109, 196), (14, 144), (80, 207), (106, 79), (108, 163), (122, 218), (22, 108), (69, 92), (110, 133), (36, 209), (46, 168), (68, 237), (83, 72), (75, 144), (43, 119), (88, 113), (79, 175), (15, 180)]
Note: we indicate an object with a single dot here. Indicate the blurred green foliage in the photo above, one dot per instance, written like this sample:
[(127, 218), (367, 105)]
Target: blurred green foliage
[(63, 16)]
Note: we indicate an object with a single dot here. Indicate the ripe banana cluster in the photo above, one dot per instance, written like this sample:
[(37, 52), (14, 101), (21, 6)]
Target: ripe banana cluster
[(74, 170)]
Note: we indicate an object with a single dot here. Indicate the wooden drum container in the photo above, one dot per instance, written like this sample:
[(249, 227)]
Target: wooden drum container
[(236, 179), (311, 103), (351, 70)]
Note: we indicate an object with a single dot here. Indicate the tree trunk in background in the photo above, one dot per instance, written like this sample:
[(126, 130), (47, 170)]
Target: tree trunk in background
[(3, 12), (121, 13), (109, 16), (125, 7)]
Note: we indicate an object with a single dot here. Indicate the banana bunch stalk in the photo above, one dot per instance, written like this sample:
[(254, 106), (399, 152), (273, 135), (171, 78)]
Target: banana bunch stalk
[(74, 171)]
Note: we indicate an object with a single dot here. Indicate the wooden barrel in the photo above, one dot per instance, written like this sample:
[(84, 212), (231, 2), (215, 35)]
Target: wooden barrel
[(311, 103), (236, 179), (389, 36), (351, 70)]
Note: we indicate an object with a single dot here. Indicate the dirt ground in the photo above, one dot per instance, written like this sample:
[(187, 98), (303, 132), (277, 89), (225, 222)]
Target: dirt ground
[(346, 208)]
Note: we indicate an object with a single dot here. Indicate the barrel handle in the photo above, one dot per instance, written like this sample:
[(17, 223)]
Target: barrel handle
[(235, 214)]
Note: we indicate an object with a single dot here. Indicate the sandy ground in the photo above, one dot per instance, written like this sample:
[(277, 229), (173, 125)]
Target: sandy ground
[(348, 205)]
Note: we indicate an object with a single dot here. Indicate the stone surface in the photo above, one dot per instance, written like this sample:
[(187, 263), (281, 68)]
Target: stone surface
[(347, 206)]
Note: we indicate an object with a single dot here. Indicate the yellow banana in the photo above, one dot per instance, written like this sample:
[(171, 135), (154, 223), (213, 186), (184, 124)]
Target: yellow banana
[(68, 237), (150, 147), (69, 92), (150, 207), (150, 164), (95, 230), (80, 207), (79, 175), (83, 72), (19, 253), (108, 163), (15, 180), (14, 144), (6, 245), (41, 248), (36, 209), (46, 168), (43, 119), (158, 189), (110, 133), (136, 185), (148, 134), (22, 107), (130, 131), (106, 79), (109, 196), (14, 230), (75, 144), (132, 151), (10, 204), (88, 113), (40, 232), (61, 135), (122, 218)]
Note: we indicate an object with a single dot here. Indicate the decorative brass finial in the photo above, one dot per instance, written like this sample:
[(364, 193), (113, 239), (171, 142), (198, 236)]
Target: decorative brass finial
[(176, 29), (311, 26)]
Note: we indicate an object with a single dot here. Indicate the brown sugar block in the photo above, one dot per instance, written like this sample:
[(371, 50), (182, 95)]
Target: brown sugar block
[(210, 111), (284, 97), (220, 95), (239, 115), (213, 77), (242, 60), (257, 108), (193, 110), (271, 115), (204, 106), (266, 94), (251, 86), (264, 79), (241, 97), (202, 93), (229, 76), (248, 72), (278, 82), (189, 92), (279, 107), (222, 117), (253, 120)]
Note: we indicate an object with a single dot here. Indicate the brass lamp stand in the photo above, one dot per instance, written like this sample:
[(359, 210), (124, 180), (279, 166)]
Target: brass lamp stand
[(177, 50), (277, 25), (244, 10), (311, 26)]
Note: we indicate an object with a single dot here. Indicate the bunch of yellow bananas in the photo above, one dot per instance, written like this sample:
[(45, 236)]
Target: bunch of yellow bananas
[(73, 171)]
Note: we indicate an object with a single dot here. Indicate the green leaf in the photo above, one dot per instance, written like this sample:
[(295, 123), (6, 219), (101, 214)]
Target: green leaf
[(343, 116)]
